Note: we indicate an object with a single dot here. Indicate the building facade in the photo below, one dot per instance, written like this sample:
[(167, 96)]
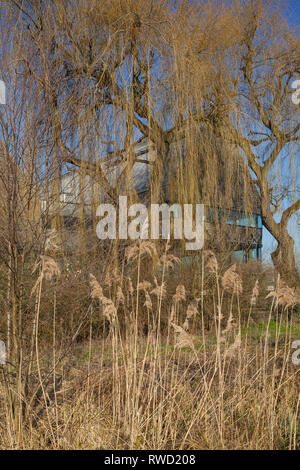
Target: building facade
[(229, 226)]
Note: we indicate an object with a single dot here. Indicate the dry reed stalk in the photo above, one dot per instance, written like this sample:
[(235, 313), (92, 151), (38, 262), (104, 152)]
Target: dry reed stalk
[(180, 294), (284, 296), (183, 339), (255, 293), (232, 281)]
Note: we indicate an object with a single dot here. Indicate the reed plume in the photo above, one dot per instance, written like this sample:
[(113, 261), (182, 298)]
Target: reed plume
[(232, 281)]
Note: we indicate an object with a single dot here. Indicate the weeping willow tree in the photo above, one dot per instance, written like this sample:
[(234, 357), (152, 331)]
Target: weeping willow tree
[(112, 74), (256, 86)]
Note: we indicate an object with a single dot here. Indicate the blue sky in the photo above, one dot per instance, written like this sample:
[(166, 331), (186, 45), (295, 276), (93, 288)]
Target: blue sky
[(293, 13)]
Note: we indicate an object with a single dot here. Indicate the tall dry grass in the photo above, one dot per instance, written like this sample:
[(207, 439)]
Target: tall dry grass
[(177, 386), (116, 348)]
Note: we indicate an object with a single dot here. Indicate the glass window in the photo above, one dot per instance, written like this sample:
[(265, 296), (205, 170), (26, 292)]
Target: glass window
[(252, 254), (237, 256), (251, 220), (233, 217), (241, 220), (258, 221), (210, 214)]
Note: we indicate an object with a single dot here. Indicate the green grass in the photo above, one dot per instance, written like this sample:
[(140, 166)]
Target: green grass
[(274, 328)]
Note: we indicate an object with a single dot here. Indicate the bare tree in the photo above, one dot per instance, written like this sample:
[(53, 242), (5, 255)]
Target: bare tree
[(118, 72), (257, 74), (124, 69)]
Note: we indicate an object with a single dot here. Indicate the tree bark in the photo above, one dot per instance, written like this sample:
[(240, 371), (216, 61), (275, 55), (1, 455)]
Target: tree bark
[(284, 259), (283, 256)]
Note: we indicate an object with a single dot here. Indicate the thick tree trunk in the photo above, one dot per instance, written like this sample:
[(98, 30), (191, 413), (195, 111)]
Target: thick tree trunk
[(284, 259), (283, 256)]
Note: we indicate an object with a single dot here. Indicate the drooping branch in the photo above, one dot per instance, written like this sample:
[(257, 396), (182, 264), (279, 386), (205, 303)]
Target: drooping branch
[(287, 213)]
